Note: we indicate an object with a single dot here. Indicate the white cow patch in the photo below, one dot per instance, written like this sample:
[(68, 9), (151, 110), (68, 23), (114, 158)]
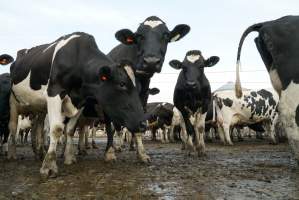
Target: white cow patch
[(153, 23), (287, 106), (61, 44), (130, 73), (49, 47), (288, 103), (193, 58), (175, 38), (27, 96), (275, 80)]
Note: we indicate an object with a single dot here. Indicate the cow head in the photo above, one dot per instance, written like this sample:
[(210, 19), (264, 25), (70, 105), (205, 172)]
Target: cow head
[(193, 68), (5, 59), (151, 40), (115, 91)]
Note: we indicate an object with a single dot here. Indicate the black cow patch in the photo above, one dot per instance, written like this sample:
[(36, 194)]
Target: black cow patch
[(219, 103), (265, 94), (297, 116), (253, 94), (228, 102)]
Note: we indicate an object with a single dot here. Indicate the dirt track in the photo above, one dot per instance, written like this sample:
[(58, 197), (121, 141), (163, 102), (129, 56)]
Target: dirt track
[(248, 170)]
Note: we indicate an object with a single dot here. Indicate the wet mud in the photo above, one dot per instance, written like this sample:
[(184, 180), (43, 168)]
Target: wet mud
[(251, 169)]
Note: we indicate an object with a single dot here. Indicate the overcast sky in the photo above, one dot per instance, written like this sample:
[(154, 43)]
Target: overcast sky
[(216, 27)]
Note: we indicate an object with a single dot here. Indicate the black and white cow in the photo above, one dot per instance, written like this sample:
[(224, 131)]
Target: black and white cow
[(192, 96), (252, 108), (57, 78), (146, 49), (5, 87), (278, 45), (166, 117)]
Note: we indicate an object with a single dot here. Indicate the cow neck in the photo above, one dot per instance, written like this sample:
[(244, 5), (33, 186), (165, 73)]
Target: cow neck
[(143, 92)]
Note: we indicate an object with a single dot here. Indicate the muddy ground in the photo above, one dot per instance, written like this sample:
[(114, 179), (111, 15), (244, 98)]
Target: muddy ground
[(249, 170)]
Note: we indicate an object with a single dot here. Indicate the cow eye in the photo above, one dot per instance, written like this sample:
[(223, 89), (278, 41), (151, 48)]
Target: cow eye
[(166, 36), (122, 84)]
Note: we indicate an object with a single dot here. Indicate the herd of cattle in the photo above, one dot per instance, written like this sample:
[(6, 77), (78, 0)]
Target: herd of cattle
[(69, 84)]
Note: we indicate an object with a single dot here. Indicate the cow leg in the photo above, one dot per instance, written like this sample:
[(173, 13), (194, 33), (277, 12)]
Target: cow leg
[(221, 133), (26, 136), (40, 146), (109, 152), (118, 143), (183, 135), (239, 135), (86, 136), (171, 133), (289, 115), (227, 129), (270, 132), (199, 133), (133, 142), (123, 137), (69, 153), (13, 123), (165, 132), (141, 154), (49, 166), (154, 134), (93, 138), (4, 142), (81, 146)]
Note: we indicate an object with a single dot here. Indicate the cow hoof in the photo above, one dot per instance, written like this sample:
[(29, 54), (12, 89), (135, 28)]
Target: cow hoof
[(229, 144), (144, 158), (49, 167), (118, 149), (70, 160), (110, 155), (82, 152), (48, 173)]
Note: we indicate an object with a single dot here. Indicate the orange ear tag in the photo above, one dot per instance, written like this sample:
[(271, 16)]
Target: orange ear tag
[(103, 78), (3, 61), (129, 40)]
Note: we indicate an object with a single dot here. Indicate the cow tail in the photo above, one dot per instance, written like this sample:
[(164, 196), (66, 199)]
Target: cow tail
[(238, 87), (214, 109)]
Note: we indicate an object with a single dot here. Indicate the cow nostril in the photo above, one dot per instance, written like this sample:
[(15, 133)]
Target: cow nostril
[(151, 60), (191, 83)]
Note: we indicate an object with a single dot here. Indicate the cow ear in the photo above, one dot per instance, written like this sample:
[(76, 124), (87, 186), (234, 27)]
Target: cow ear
[(105, 73), (125, 36), (213, 60), (175, 64), (179, 32), (153, 91), (5, 59)]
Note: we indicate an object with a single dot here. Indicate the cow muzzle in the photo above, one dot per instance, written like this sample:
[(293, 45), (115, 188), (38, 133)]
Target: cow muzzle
[(152, 64), (191, 84)]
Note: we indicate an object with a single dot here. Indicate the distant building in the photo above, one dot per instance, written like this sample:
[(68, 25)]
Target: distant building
[(227, 86)]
